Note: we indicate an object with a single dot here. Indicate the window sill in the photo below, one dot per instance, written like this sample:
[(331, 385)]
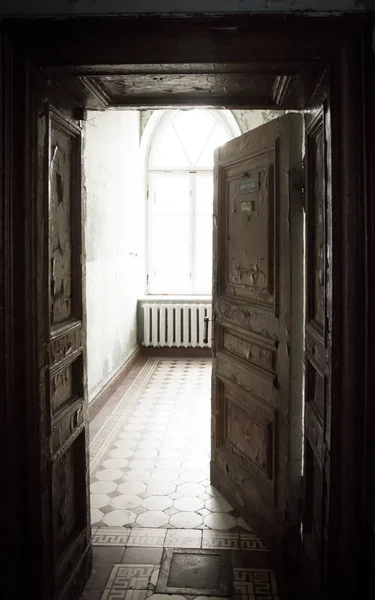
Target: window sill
[(174, 298)]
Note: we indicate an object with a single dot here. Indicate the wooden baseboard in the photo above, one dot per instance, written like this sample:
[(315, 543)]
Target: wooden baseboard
[(176, 352), (111, 386)]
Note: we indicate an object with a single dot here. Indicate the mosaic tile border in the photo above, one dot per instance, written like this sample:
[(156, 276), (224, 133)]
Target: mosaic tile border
[(147, 579), (111, 427), (255, 583), (169, 538)]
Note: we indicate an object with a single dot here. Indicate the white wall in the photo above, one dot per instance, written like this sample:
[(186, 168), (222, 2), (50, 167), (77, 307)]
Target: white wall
[(114, 233)]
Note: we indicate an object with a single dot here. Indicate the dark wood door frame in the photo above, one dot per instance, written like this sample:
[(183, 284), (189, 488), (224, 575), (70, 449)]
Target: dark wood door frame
[(369, 409), (342, 43)]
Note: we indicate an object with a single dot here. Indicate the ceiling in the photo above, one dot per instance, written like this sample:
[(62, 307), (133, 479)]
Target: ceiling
[(230, 63), (220, 85)]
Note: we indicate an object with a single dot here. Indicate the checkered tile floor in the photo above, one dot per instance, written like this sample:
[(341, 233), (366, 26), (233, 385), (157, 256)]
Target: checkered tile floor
[(150, 492), (155, 472)]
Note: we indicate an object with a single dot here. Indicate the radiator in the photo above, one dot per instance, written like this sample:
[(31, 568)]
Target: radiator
[(177, 325)]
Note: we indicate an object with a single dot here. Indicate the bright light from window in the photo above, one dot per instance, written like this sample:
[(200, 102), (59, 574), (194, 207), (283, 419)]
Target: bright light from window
[(180, 201)]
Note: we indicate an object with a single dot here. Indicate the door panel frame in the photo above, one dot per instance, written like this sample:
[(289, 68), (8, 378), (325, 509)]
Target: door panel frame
[(318, 342), (344, 44), (266, 495)]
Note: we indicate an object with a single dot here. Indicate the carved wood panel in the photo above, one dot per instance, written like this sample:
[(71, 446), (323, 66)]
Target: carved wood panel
[(252, 303), (257, 351), (248, 431), (68, 508), (317, 337), (251, 244), (60, 231), (250, 238), (296, 45), (63, 372), (64, 246), (316, 237)]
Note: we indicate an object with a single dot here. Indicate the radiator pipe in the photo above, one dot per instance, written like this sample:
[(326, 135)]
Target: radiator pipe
[(206, 321)]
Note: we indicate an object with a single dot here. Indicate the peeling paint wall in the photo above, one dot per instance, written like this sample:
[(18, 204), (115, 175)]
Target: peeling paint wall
[(117, 7), (143, 119), (249, 119), (114, 236)]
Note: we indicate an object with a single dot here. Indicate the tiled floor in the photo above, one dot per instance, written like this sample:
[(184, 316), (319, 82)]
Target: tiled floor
[(159, 528), (154, 469)]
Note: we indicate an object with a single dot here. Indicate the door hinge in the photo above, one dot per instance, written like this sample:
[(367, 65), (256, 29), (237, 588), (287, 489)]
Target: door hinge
[(297, 179), (148, 193)]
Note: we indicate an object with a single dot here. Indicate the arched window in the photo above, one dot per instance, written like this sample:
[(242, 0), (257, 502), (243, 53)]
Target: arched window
[(180, 195)]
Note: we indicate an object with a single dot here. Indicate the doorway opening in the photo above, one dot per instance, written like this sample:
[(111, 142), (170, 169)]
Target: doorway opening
[(300, 75), (150, 442), (136, 163)]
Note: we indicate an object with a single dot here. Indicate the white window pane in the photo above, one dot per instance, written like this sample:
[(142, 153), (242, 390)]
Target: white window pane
[(204, 189), (217, 138), (171, 241), (167, 152), (171, 280), (203, 280), (203, 241), (170, 193), (193, 128), (186, 142)]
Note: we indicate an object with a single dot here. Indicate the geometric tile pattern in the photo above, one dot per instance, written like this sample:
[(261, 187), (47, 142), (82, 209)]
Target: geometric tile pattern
[(135, 577), (105, 435), (116, 594), (255, 584), (152, 469), (219, 539), (147, 538), (183, 538), (252, 542), (151, 495), (138, 581), (110, 536), (177, 538)]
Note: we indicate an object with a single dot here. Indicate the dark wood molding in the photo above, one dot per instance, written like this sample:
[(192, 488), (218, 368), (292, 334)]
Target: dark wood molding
[(199, 39), (368, 85), (110, 387), (349, 360), (123, 58), (10, 511), (280, 88), (94, 87), (345, 44)]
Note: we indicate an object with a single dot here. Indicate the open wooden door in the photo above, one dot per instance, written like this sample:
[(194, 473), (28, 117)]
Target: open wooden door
[(60, 339), (318, 333), (258, 324)]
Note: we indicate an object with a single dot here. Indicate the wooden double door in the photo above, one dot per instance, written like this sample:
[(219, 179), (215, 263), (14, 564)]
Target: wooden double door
[(258, 403), (272, 402), (271, 370)]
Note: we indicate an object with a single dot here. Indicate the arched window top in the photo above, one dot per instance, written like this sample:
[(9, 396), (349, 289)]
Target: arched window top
[(186, 140)]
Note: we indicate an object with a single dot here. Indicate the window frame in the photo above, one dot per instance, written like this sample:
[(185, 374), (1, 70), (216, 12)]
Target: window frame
[(169, 116)]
